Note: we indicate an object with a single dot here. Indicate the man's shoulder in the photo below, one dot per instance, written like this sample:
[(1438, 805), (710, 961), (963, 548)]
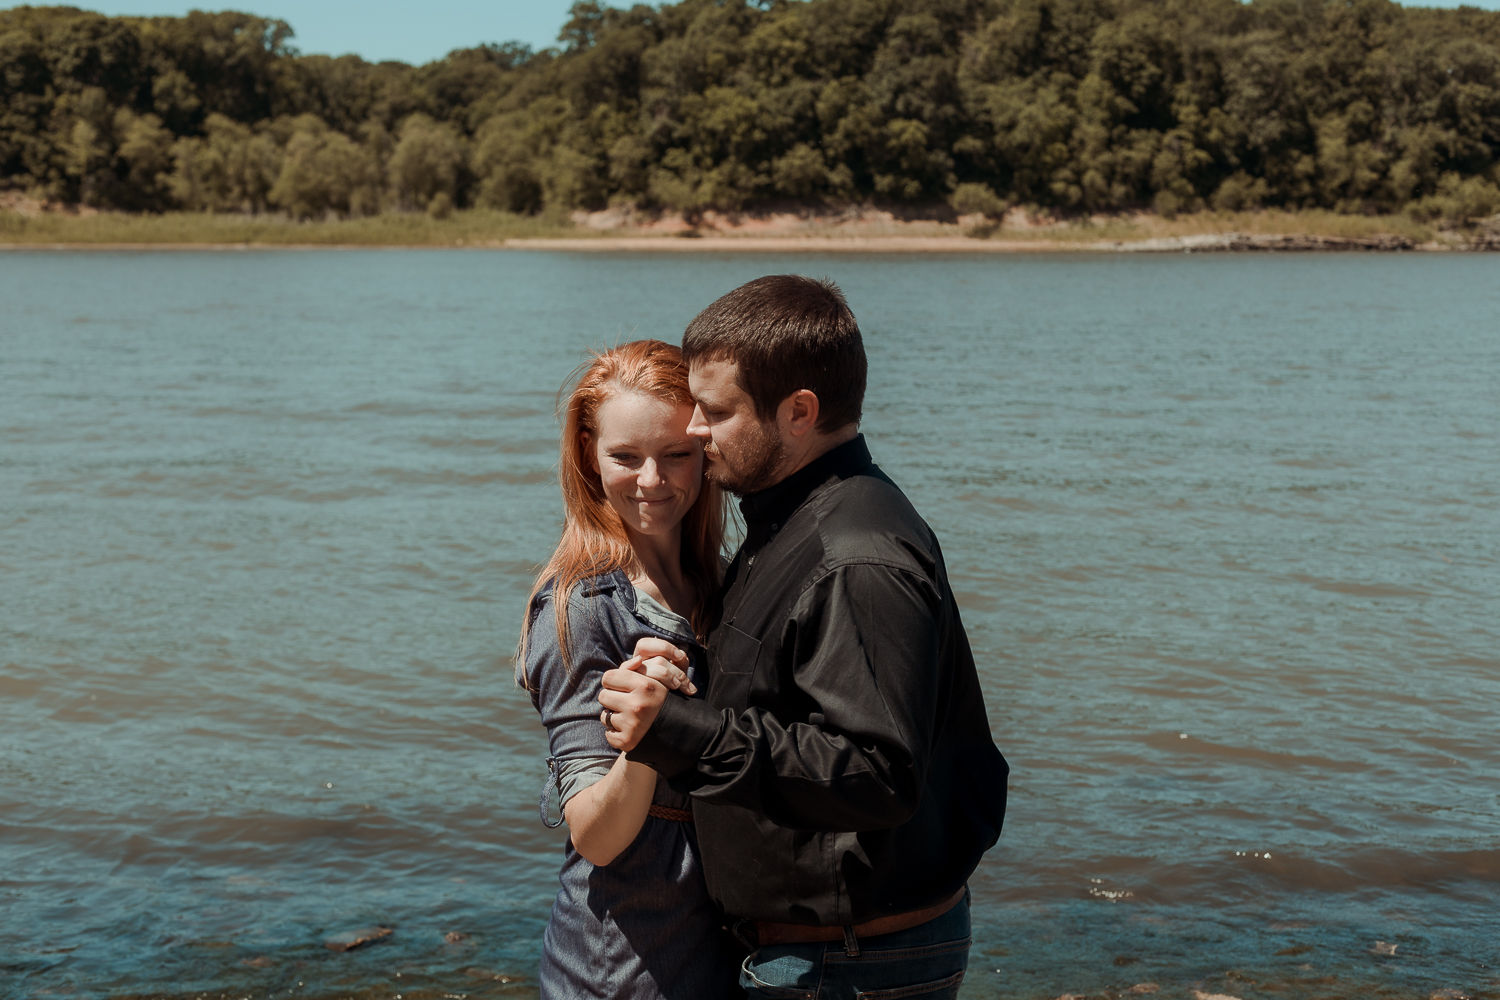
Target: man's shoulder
[(867, 518)]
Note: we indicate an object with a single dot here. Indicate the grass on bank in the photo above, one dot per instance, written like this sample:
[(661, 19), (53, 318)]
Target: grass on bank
[(1131, 226), (480, 227), (1267, 222), (477, 227)]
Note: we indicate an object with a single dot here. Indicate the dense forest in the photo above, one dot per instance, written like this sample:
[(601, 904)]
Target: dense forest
[(1359, 106)]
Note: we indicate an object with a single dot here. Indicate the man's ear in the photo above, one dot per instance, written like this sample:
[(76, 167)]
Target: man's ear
[(798, 413)]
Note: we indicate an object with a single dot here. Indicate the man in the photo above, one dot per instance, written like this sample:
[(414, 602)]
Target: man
[(843, 777)]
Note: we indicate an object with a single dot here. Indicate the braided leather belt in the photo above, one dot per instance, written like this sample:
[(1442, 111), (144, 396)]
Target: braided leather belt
[(767, 933), (667, 812)]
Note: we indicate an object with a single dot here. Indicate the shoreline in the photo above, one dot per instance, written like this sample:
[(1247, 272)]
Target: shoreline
[(1211, 242), (859, 230), (1226, 242)]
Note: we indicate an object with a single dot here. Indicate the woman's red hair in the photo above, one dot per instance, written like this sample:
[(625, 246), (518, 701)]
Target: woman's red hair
[(593, 537)]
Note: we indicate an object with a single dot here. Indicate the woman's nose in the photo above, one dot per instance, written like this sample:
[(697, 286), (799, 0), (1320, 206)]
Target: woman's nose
[(650, 476)]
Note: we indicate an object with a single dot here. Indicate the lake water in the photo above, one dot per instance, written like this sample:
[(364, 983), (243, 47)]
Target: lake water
[(1226, 531)]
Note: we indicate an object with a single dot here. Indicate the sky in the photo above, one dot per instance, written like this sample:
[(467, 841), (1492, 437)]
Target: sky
[(420, 32), (384, 29)]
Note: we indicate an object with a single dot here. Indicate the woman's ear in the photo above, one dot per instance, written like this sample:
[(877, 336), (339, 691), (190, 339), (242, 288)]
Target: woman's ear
[(589, 451)]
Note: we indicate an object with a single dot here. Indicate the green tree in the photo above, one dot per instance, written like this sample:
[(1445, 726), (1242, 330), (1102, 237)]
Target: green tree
[(428, 160), (323, 172), (231, 169), (1076, 105)]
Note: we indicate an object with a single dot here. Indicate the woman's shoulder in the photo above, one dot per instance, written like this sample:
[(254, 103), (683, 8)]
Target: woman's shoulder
[(599, 611), (588, 593)]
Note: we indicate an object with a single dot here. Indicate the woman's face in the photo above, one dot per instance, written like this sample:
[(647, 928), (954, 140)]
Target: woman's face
[(651, 469)]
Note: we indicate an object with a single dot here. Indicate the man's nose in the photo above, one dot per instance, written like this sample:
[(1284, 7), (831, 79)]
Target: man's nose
[(698, 426)]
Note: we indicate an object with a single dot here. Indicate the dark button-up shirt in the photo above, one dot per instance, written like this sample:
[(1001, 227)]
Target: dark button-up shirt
[(841, 766)]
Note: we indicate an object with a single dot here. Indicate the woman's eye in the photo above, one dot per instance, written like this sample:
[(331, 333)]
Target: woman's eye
[(624, 459)]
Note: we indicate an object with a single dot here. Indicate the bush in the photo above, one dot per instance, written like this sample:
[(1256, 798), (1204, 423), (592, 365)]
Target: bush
[(1458, 201), (1240, 192), (978, 199)]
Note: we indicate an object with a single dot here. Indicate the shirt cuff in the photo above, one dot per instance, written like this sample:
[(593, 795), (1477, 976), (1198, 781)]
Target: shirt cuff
[(684, 729), (574, 775)]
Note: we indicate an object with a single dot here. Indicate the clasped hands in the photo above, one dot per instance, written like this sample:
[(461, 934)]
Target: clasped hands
[(634, 691)]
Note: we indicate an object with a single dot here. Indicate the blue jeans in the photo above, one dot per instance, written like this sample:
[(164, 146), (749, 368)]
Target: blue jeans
[(926, 961)]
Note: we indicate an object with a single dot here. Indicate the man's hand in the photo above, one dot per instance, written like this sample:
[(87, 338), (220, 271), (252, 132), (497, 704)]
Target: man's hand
[(631, 702)]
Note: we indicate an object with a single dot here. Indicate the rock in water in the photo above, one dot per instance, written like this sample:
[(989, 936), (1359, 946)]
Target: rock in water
[(350, 940)]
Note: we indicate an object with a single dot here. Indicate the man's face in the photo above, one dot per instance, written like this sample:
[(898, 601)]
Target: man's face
[(744, 454)]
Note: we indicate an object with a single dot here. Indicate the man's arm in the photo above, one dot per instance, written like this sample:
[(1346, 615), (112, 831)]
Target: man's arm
[(865, 652)]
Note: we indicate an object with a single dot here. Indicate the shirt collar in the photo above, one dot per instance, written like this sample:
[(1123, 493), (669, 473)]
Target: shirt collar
[(776, 503)]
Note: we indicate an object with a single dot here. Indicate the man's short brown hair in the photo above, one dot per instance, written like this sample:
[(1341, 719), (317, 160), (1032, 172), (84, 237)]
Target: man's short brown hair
[(786, 332)]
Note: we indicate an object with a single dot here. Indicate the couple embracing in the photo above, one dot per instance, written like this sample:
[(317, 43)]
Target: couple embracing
[(777, 775)]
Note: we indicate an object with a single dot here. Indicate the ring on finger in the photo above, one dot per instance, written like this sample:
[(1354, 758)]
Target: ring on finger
[(609, 721)]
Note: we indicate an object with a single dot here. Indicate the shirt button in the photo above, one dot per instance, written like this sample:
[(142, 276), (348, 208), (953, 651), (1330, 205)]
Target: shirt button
[(775, 527)]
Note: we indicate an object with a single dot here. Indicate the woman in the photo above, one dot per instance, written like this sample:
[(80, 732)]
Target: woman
[(639, 557)]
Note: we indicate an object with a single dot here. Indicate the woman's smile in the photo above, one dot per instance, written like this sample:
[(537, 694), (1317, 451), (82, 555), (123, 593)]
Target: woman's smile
[(641, 446)]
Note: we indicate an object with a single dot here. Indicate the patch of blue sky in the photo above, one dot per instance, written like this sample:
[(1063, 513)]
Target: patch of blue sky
[(388, 29), (421, 32)]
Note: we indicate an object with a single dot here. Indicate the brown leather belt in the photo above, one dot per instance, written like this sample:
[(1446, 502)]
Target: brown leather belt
[(768, 933), (667, 812)]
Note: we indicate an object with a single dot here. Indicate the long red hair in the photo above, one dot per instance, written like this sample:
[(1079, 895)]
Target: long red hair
[(593, 537)]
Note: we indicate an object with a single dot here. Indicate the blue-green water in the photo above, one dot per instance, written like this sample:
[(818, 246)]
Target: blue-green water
[(1226, 530)]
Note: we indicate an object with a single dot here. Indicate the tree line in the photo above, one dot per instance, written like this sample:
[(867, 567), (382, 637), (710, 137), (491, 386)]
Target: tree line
[(1358, 106)]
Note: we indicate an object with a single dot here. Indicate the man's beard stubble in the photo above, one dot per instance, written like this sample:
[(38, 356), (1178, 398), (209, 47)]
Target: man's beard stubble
[(755, 468)]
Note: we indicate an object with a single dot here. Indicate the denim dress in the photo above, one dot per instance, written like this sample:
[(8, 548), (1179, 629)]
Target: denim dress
[(643, 927)]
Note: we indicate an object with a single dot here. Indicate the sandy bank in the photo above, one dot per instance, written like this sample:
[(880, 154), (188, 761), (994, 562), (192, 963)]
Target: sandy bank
[(1203, 243), (781, 243)]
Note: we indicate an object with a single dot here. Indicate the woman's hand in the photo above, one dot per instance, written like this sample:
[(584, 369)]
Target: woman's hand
[(661, 661), (648, 646), (663, 671)]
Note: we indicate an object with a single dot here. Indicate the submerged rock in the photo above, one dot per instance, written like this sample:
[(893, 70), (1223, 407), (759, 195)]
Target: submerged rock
[(504, 978), (350, 940)]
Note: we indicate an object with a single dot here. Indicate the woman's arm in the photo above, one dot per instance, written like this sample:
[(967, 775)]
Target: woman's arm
[(605, 817)]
